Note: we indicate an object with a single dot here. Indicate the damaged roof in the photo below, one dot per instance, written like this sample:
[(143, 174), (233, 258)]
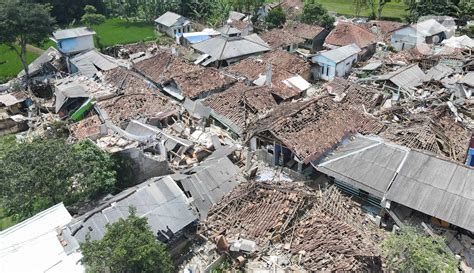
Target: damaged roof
[(278, 38), (347, 33), (298, 124), (287, 61), (160, 200), (406, 77), (302, 30), (203, 81), (223, 48), (240, 104), (164, 66), (92, 61), (49, 55), (210, 181)]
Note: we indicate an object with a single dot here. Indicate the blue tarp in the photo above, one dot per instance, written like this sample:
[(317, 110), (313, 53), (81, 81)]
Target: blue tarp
[(197, 38)]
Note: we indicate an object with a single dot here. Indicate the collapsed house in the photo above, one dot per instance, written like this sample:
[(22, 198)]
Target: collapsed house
[(198, 84), (280, 39), (312, 35), (288, 221), (238, 106), (297, 133), (89, 63)]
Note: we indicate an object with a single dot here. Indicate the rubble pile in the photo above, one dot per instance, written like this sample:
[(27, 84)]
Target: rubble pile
[(290, 219)]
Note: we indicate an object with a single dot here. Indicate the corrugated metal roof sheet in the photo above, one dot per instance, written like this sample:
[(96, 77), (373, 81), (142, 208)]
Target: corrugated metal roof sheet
[(468, 79), (429, 27), (406, 77), (222, 48), (372, 66), (210, 181), (436, 187), (72, 33), (170, 19), (368, 163), (90, 62), (33, 245), (160, 200), (340, 54), (438, 72), (38, 63)]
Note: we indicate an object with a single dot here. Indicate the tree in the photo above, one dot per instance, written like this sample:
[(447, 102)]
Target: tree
[(36, 175), (419, 8), (24, 23), (315, 13), (275, 18), (91, 17), (410, 251), (128, 245), (359, 5)]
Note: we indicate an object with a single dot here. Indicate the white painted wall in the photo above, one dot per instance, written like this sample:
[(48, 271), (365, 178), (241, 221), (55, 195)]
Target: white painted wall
[(327, 69)]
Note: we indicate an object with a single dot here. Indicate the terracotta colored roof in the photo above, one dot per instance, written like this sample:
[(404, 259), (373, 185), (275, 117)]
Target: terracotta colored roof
[(302, 30), (287, 61), (241, 104), (198, 82), (85, 128), (240, 25), (164, 66), (126, 81), (346, 34), (298, 124), (249, 68), (252, 68), (277, 38)]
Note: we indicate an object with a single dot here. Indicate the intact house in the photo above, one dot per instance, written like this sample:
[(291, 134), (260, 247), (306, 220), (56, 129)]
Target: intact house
[(312, 35), (228, 48), (75, 40), (335, 63), (295, 134), (172, 24), (198, 84), (345, 34), (424, 32), (281, 39)]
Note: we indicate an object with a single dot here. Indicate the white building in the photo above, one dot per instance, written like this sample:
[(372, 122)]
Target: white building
[(428, 32), (74, 40), (335, 63), (172, 24), (35, 245)]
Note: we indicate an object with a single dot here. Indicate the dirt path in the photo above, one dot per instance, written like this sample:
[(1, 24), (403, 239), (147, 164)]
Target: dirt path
[(34, 49)]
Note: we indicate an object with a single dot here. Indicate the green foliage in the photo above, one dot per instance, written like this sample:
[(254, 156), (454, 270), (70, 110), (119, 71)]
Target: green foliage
[(213, 12), (129, 245), (411, 251), (275, 18), (419, 8), (468, 30), (23, 23), (315, 13), (36, 175), (91, 17), (119, 31)]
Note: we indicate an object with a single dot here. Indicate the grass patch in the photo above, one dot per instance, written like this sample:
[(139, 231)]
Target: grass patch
[(10, 64), (392, 10), (118, 31)]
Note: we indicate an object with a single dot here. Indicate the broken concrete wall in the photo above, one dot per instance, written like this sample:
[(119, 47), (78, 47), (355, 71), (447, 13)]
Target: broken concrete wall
[(143, 166)]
